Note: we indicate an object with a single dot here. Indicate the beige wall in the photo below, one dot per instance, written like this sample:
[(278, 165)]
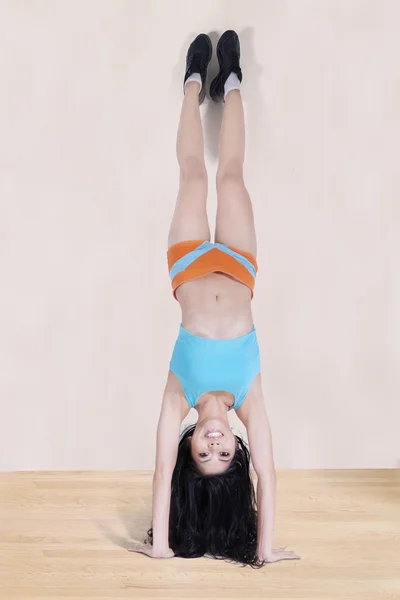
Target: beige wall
[(90, 97)]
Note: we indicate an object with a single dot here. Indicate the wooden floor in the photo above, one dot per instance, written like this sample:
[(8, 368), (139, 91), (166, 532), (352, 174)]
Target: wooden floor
[(65, 535)]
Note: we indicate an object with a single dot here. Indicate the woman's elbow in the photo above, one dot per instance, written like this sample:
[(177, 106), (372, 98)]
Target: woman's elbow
[(266, 474), (162, 475)]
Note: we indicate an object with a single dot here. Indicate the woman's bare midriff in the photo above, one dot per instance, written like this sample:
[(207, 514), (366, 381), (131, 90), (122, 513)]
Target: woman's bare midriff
[(215, 306)]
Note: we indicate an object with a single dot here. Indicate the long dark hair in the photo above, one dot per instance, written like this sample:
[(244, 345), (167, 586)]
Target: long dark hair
[(213, 514)]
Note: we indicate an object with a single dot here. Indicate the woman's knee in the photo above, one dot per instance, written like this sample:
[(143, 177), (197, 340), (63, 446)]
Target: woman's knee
[(230, 179), (193, 170), (230, 171)]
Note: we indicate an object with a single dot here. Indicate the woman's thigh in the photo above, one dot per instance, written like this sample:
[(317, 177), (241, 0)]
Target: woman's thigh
[(190, 221), (235, 219)]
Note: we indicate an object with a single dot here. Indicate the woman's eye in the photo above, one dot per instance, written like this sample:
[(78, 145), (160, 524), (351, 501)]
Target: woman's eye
[(203, 454), (224, 454)]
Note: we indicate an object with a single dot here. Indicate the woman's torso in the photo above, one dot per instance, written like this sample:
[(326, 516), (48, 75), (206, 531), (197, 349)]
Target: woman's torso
[(219, 308), (216, 306)]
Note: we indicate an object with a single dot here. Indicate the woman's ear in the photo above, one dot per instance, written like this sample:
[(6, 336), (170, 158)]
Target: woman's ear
[(189, 440)]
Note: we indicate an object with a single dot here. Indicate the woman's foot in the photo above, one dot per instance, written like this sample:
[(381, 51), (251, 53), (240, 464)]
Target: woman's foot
[(197, 60), (228, 53)]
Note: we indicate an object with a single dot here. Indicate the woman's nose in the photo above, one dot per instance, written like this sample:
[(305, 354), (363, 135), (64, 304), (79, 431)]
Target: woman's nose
[(213, 443)]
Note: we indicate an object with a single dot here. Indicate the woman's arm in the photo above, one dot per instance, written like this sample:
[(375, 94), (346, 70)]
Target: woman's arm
[(173, 411), (254, 416), (168, 430)]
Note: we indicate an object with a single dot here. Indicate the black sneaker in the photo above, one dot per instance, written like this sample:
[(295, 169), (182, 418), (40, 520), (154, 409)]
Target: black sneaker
[(228, 53), (197, 60)]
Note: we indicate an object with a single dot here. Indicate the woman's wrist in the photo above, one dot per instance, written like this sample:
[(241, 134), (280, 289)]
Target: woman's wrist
[(264, 551), (160, 539), (162, 551), (160, 548)]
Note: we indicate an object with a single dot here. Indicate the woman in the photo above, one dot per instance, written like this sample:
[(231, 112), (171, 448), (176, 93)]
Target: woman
[(203, 496)]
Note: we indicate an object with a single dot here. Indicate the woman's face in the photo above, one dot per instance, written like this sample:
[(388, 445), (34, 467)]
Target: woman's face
[(213, 446)]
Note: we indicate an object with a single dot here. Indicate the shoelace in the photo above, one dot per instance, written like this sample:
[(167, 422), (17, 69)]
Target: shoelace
[(197, 56), (235, 61)]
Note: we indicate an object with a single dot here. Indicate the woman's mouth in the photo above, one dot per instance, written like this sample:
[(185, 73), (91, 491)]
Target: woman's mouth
[(214, 433)]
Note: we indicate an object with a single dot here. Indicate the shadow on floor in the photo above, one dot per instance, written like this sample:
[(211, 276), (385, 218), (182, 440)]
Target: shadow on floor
[(135, 528)]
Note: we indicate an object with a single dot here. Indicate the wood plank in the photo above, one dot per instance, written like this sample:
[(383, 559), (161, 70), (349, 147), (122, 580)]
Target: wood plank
[(65, 535)]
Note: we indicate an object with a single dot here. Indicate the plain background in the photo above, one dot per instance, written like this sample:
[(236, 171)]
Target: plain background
[(89, 106)]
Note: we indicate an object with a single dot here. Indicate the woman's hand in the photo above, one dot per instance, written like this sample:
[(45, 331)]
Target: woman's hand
[(277, 554), (151, 551)]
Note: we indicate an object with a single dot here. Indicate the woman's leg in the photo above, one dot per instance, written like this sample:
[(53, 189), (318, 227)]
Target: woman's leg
[(190, 221), (235, 220)]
